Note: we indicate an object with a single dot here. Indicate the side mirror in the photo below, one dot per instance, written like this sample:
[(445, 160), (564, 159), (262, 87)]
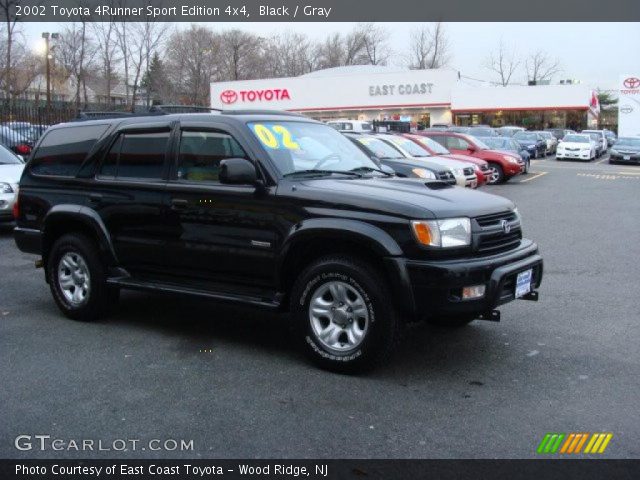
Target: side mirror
[(237, 171)]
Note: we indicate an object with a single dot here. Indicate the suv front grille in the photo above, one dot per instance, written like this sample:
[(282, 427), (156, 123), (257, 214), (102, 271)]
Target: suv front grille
[(446, 176), (492, 235)]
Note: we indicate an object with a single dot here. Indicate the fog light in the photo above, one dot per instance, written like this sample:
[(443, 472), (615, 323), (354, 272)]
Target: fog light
[(473, 292)]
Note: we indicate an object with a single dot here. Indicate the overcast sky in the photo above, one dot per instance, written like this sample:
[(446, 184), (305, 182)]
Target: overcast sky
[(595, 53)]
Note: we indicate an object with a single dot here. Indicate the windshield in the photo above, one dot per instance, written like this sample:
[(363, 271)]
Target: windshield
[(497, 143), (8, 158), (409, 146), (434, 146), (297, 146), (480, 145), (529, 137), (482, 132), (576, 139), (628, 142), (380, 149)]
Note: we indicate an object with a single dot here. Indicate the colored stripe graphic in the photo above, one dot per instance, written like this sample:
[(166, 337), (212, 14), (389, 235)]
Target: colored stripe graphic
[(550, 443), (574, 442), (598, 443)]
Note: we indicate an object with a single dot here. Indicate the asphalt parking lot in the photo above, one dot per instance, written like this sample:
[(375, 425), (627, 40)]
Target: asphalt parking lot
[(228, 379)]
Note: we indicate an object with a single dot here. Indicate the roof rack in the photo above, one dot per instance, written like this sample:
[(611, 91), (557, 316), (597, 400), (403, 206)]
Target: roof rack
[(174, 109)]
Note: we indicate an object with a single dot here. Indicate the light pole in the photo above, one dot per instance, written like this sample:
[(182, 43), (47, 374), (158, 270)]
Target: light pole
[(48, 56)]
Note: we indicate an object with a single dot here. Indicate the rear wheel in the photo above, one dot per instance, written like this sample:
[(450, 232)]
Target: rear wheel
[(77, 278), (342, 316)]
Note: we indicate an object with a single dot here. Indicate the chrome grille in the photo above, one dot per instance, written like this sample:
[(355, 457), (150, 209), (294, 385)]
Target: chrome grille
[(491, 237)]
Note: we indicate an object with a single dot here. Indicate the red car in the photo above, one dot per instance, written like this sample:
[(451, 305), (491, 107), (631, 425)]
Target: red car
[(504, 165), (482, 171)]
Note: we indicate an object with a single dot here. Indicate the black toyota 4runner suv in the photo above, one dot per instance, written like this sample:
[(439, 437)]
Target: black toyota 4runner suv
[(272, 210)]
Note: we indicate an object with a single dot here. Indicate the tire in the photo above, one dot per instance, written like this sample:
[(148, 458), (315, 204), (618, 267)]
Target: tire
[(335, 284), (457, 321), (74, 261), (498, 176)]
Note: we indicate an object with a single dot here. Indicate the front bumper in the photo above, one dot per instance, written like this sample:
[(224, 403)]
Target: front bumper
[(633, 158), (432, 288), (574, 155)]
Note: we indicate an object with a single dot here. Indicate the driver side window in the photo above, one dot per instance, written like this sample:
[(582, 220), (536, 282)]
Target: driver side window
[(201, 152), (457, 143)]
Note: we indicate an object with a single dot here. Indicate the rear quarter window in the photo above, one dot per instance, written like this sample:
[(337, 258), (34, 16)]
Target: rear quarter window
[(63, 150)]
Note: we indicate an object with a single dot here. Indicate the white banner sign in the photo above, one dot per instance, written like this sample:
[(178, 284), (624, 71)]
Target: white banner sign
[(629, 106)]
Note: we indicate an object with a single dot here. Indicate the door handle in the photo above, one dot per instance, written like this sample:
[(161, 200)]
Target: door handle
[(95, 197), (179, 203)]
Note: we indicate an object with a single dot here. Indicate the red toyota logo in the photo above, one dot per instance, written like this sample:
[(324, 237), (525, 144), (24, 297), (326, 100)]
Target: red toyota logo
[(632, 82), (228, 96)]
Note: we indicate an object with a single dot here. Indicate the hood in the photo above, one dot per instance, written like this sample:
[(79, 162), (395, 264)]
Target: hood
[(575, 145), (450, 162), (627, 148), (11, 173), (466, 158), (398, 197)]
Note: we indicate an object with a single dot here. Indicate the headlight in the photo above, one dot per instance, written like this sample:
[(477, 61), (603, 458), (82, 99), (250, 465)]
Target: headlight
[(509, 158), (447, 233), (5, 188), (531, 146), (458, 172), (422, 173)]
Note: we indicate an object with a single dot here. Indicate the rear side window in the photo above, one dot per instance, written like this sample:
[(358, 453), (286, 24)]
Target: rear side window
[(63, 150), (136, 155)]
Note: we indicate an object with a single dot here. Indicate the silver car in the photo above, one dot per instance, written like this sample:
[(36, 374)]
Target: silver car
[(11, 167)]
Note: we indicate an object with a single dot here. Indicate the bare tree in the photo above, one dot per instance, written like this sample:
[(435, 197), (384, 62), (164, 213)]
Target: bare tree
[(288, 55), (540, 67), (192, 59), (241, 55), (503, 63), (7, 9), (107, 43), (74, 50), (429, 47), (329, 53), (375, 47)]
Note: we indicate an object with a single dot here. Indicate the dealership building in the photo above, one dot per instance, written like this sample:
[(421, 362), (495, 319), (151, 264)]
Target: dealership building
[(421, 97)]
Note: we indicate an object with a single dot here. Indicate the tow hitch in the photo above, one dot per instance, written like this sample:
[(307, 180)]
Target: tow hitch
[(491, 316)]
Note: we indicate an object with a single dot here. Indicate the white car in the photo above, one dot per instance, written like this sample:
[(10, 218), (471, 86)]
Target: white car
[(552, 141), (604, 144), (576, 147), (351, 126), (463, 172), (11, 167)]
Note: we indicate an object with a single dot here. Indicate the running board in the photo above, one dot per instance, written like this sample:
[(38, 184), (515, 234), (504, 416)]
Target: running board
[(271, 302)]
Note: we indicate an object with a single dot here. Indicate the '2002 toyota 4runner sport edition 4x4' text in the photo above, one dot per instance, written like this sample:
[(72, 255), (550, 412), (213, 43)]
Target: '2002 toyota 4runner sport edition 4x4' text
[(268, 209)]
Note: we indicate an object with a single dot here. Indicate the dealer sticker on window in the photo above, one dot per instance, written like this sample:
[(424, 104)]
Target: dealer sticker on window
[(523, 283)]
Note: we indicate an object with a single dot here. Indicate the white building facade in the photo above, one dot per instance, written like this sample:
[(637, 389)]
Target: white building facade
[(421, 97)]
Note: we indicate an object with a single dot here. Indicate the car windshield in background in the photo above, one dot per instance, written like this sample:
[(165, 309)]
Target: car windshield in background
[(479, 143), (8, 158), (529, 137), (577, 138), (434, 146), (302, 146), (628, 142), (545, 134), (380, 149), (482, 132), (497, 143), (409, 146)]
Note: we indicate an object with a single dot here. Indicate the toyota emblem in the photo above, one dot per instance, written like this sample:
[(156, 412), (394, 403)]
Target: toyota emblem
[(632, 82), (229, 96), (506, 228)]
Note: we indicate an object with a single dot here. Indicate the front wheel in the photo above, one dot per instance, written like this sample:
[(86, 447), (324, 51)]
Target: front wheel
[(497, 174), (342, 316), (77, 278)]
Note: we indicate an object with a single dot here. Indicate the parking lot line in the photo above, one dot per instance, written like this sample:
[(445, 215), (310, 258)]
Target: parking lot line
[(629, 173), (534, 177), (600, 161)]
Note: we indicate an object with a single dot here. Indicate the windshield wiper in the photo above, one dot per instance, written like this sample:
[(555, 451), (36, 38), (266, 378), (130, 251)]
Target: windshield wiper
[(312, 171), (371, 169)]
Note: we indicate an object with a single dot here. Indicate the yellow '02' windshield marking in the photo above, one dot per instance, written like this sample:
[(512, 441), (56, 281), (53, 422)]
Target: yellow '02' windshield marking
[(275, 137)]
